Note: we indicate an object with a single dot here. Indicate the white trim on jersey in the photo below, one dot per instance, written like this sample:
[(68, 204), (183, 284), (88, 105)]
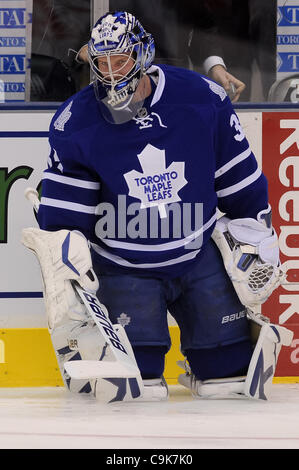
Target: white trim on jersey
[(241, 185), (163, 246), (234, 161), (118, 260), (71, 181), (161, 83), (71, 206)]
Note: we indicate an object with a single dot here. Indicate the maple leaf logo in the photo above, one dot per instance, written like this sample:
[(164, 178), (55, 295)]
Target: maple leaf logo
[(156, 185), (108, 31), (123, 319)]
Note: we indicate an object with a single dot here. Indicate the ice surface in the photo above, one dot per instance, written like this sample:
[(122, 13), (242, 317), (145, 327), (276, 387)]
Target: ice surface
[(52, 418)]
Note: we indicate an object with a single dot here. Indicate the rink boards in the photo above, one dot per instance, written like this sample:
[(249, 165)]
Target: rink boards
[(27, 359), (26, 354)]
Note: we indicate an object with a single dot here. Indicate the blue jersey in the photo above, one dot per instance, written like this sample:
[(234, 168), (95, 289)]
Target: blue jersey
[(145, 192)]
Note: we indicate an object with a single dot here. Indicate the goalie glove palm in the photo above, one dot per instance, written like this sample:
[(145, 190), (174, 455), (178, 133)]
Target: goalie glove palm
[(251, 257), (63, 256)]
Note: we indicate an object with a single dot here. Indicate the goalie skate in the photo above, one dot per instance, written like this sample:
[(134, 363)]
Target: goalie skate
[(213, 388)]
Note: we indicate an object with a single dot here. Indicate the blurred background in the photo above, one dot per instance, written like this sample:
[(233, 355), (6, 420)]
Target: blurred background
[(258, 40)]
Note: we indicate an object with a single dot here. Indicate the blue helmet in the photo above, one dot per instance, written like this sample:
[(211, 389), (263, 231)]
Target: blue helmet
[(120, 33)]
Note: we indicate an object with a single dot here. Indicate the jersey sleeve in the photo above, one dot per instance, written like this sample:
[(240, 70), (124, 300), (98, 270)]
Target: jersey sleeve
[(70, 192), (241, 187)]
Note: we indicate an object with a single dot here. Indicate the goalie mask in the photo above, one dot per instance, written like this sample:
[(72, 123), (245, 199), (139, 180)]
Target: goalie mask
[(120, 51)]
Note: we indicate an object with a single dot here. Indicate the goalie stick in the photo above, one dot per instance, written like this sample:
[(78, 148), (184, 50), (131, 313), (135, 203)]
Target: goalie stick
[(124, 364)]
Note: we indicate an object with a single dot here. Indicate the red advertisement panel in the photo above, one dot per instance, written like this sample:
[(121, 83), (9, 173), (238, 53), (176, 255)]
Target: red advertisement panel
[(281, 167)]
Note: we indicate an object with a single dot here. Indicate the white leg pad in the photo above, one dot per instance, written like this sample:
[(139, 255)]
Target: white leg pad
[(263, 363), (257, 383)]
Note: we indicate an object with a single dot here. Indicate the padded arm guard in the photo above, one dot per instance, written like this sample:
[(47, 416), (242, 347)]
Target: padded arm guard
[(63, 256), (251, 257)]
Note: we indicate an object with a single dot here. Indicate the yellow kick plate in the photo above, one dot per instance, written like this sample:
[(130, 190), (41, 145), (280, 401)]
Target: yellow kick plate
[(27, 359)]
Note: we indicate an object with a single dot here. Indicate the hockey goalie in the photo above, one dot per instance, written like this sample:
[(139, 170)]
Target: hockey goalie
[(140, 161)]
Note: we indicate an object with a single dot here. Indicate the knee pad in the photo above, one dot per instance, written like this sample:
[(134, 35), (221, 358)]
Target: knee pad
[(225, 361), (150, 360)]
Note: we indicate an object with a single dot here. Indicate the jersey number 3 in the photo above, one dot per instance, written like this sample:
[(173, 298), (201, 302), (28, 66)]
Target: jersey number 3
[(234, 122)]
